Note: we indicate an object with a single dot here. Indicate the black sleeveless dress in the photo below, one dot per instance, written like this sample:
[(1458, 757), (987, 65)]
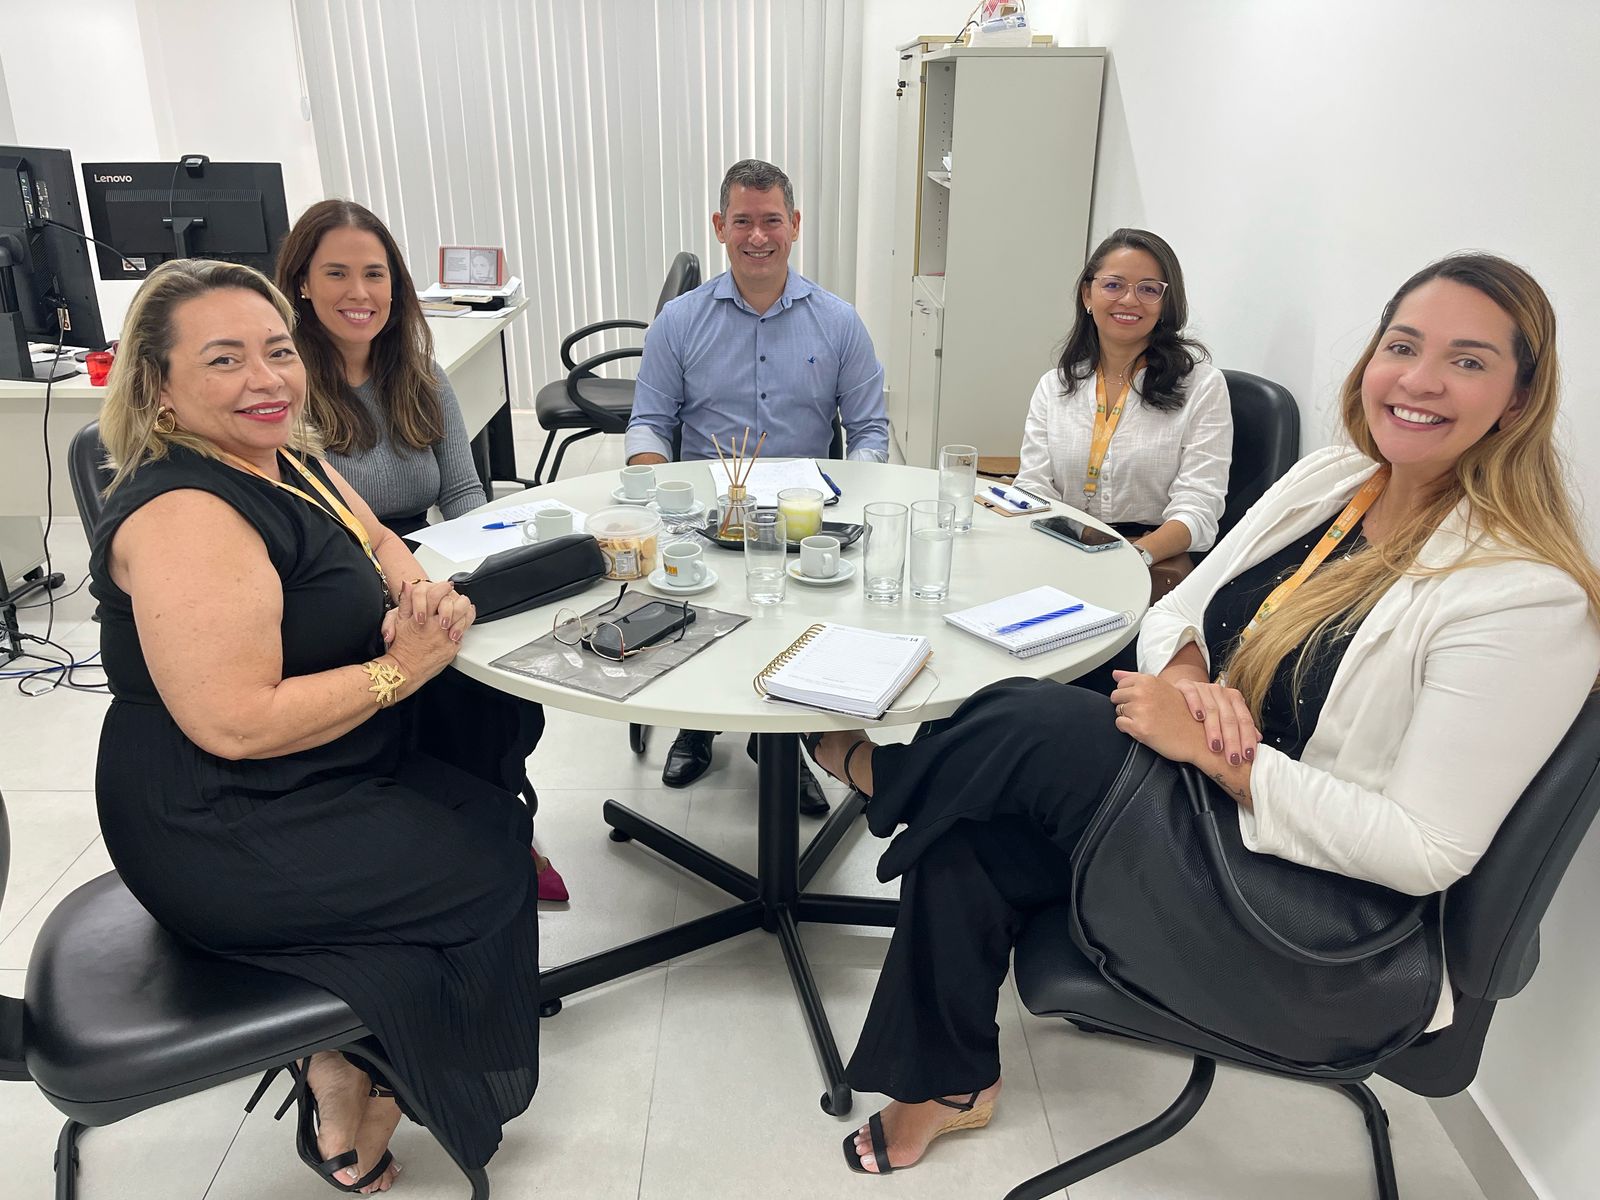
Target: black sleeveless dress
[(399, 883)]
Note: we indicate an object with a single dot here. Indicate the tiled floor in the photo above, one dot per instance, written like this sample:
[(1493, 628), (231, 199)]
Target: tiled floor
[(690, 1080)]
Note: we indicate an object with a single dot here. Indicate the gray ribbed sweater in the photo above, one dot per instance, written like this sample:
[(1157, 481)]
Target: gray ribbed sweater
[(399, 482)]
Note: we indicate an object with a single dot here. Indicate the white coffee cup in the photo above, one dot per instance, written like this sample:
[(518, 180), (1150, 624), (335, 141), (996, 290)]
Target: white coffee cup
[(675, 495), (552, 522), (638, 482), (819, 556), (684, 564)]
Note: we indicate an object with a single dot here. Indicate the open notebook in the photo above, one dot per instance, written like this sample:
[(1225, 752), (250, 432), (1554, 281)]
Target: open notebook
[(987, 620), (842, 669)]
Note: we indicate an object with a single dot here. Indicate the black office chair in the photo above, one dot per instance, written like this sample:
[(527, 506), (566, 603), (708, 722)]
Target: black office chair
[(120, 1016), (86, 467), (583, 400), (1266, 441), (1491, 933)]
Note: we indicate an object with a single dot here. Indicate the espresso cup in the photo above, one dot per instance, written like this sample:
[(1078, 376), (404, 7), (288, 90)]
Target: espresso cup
[(684, 564), (552, 522), (638, 482), (819, 556), (674, 495)]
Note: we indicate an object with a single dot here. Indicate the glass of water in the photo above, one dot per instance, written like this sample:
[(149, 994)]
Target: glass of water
[(766, 554), (932, 541), (883, 561), (958, 480)]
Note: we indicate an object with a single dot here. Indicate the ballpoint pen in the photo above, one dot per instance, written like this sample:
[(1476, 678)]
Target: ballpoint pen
[(504, 525), (1040, 619), (831, 484), (1001, 492)]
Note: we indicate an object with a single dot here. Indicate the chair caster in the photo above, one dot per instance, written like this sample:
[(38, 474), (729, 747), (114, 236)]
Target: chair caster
[(549, 1008), (837, 1101), (638, 738), (620, 835)]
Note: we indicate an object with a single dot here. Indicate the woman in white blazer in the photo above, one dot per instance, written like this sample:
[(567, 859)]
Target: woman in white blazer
[(1158, 473), (1378, 718)]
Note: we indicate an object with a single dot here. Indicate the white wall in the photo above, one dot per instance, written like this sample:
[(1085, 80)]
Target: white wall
[(168, 77)]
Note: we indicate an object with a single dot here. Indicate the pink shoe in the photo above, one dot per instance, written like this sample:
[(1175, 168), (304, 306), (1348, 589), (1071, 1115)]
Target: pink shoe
[(551, 885)]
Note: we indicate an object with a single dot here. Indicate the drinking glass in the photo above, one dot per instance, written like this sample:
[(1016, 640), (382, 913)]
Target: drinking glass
[(932, 542), (883, 561), (802, 508), (766, 553), (958, 480)]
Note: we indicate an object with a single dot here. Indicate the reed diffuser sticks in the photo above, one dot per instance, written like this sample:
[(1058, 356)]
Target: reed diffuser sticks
[(738, 466)]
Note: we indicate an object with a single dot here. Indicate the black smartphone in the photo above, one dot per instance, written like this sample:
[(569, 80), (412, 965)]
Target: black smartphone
[(644, 626), (1075, 533)]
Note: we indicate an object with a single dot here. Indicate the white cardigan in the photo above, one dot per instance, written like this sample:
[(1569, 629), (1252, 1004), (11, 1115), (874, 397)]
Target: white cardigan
[(1161, 466), (1449, 698)]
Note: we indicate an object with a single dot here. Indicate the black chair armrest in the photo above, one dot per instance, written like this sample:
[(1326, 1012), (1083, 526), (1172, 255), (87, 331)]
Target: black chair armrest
[(603, 420), (577, 335), (12, 1065)]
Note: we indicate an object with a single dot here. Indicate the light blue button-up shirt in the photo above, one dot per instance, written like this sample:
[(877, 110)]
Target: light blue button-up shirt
[(715, 365)]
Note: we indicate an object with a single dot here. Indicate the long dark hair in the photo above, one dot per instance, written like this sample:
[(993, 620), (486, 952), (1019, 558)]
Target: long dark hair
[(1169, 357), (402, 351)]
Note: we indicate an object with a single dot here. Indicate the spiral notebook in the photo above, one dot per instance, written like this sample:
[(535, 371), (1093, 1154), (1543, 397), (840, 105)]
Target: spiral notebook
[(838, 668), (987, 620)]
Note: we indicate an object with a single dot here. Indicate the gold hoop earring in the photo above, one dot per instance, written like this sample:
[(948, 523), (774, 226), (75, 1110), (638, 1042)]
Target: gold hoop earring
[(166, 421)]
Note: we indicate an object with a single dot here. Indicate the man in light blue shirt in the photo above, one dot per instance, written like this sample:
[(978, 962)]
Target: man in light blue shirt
[(759, 348)]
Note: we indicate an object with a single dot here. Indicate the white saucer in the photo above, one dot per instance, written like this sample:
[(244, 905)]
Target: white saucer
[(658, 579), (847, 570), (621, 497), (695, 512)]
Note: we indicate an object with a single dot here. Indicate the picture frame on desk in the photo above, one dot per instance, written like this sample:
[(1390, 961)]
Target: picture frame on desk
[(472, 266)]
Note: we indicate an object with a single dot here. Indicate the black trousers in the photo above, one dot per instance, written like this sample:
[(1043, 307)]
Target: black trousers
[(994, 798)]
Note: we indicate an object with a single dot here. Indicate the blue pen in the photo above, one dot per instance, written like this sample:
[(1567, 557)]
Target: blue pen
[(1001, 492), (836, 492), (1040, 619), (504, 525)]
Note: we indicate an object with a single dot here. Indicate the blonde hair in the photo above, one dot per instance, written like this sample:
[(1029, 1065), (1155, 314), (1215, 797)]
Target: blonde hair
[(1512, 479), (132, 407)]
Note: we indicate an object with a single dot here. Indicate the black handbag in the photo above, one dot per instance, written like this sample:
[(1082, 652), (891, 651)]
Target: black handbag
[(1307, 968), (525, 577)]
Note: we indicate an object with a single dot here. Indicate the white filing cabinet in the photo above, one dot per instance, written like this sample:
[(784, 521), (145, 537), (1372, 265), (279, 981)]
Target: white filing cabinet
[(986, 255)]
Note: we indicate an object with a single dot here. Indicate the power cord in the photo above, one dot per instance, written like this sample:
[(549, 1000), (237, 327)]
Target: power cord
[(57, 672)]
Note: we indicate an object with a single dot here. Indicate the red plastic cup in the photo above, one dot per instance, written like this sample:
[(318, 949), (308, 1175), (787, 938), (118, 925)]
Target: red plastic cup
[(99, 364)]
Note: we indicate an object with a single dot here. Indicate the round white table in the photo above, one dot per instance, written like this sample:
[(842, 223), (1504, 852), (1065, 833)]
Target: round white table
[(999, 556)]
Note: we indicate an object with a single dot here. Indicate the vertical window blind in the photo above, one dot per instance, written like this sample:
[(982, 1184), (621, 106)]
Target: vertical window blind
[(586, 138)]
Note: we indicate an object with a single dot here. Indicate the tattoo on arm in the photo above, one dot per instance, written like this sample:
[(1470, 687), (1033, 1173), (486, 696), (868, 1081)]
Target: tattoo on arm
[(1238, 793)]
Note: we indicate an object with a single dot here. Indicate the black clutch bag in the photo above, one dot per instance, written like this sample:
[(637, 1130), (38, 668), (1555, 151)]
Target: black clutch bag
[(526, 577)]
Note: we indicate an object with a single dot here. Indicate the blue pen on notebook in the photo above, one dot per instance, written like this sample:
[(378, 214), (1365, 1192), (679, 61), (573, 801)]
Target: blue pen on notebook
[(1001, 492), (834, 486), (1040, 619), (504, 525)]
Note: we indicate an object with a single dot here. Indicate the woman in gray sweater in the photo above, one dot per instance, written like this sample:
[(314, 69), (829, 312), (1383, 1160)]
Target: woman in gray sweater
[(391, 426)]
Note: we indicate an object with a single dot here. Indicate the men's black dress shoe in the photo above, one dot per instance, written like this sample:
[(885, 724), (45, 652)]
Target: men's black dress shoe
[(812, 802), (688, 758)]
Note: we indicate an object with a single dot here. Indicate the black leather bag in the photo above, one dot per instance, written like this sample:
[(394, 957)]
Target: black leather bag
[(526, 577), (1306, 967)]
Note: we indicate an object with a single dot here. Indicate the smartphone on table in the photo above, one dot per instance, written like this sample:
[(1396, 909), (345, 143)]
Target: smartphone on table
[(1075, 533), (646, 626)]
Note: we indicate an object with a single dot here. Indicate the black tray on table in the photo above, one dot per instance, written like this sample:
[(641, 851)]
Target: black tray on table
[(847, 532)]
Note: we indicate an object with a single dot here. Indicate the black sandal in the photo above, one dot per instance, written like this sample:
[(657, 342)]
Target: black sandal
[(812, 740), (880, 1149), (305, 1137), (969, 1115)]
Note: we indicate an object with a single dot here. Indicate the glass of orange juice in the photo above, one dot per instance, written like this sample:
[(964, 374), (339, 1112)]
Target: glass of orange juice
[(802, 510)]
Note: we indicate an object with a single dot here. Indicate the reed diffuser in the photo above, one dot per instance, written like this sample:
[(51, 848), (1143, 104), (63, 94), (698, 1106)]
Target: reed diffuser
[(736, 505)]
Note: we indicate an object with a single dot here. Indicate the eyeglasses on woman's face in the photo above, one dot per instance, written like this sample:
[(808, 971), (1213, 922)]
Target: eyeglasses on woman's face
[(1145, 291)]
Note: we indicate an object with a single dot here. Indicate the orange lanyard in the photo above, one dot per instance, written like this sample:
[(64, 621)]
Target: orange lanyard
[(1342, 524), (1105, 424), (334, 507)]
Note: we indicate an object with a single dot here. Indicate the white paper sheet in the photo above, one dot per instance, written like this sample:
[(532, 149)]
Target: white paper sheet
[(768, 477), (465, 539)]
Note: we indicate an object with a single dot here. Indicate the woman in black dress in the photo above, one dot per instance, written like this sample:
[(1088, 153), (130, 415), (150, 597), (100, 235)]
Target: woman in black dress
[(257, 786), (1407, 626)]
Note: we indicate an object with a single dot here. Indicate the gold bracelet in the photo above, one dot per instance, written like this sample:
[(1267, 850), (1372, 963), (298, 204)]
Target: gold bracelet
[(386, 682)]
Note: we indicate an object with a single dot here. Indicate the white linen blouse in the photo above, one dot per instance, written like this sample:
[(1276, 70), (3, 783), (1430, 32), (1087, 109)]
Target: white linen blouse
[(1450, 696), (1161, 466)]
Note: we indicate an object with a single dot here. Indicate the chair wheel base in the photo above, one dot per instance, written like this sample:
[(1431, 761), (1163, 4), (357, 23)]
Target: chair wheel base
[(620, 835), (549, 1008), (837, 1101), (638, 738)]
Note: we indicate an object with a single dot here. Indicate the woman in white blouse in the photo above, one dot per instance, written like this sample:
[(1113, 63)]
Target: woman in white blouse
[(1373, 664), (1154, 463)]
